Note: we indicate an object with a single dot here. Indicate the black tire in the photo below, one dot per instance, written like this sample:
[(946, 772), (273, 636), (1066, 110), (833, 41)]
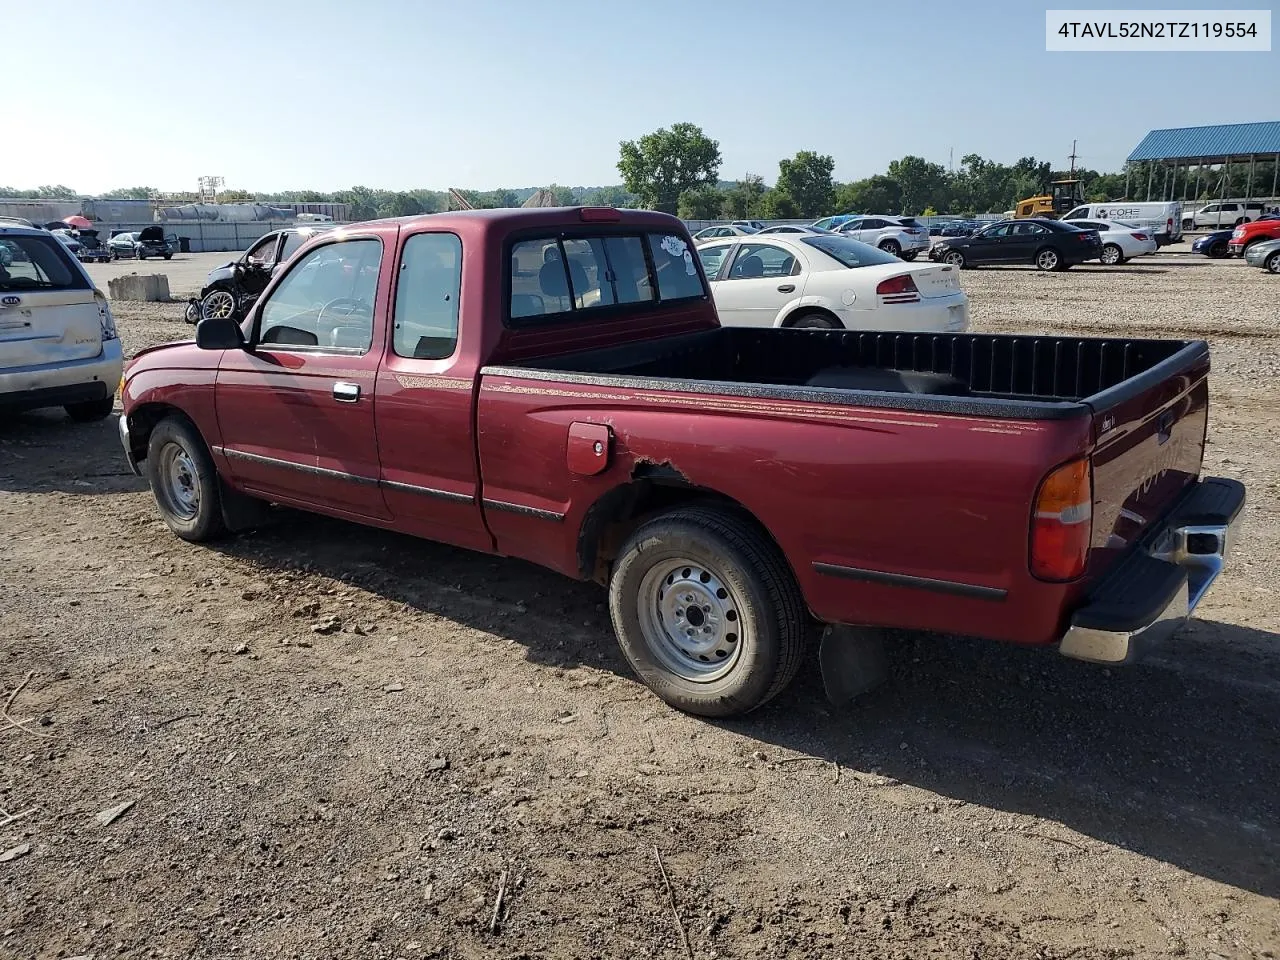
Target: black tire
[(892, 247), (139, 256), (955, 258), (1112, 251), (1047, 258), (90, 411), (761, 597), (168, 256), (815, 321), (203, 522), (114, 255), (909, 255), (1219, 250), (1188, 225), (1240, 220), (1272, 263)]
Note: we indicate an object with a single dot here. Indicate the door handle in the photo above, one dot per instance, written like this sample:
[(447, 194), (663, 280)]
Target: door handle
[(787, 288), (346, 392)]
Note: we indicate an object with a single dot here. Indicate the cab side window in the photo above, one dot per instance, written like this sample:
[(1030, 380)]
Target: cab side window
[(263, 253), (428, 285)]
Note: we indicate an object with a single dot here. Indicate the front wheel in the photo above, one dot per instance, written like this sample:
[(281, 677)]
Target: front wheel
[(184, 481), (114, 255), (1219, 250), (707, 612), (955, 258), (1272, 262), (168, 256), (1048, 259), (891, 247), (1112, 255), (218, 305), (909, 255), (89, 411)]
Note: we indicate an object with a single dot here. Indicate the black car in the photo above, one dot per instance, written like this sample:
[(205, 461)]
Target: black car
[(1048, 244), (152, 242), (229, 288), (960, 228)]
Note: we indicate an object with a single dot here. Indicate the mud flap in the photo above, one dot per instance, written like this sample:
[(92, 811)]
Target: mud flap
[(853, 662), (241, 512)]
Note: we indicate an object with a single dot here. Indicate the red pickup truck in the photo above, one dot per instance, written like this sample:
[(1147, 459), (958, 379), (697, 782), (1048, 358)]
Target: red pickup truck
[(554, 385)]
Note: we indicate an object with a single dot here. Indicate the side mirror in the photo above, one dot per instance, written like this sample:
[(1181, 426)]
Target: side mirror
[(214, 334)]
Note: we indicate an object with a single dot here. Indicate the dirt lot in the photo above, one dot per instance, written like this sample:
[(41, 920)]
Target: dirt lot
[(340, 741)]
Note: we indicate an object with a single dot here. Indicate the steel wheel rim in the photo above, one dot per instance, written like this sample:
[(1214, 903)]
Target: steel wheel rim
[(1111, 256), (179, 481), (218, 305), (1273, 263), (1047, 260), (690, 620)]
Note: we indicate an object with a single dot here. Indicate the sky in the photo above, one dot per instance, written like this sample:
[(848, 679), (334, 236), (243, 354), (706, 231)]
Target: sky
[(397, 94)]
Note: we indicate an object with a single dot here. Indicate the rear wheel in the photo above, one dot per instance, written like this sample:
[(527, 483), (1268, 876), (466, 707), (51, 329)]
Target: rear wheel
[(1048, 259), (909, 255), (892, 247), (707, 612), (1272, 262), (114, 255), (1112, 255), (955, 258), (184, 480), (815, 321), (1240, 220), (168, 256), (88, 411), (1188, 224)]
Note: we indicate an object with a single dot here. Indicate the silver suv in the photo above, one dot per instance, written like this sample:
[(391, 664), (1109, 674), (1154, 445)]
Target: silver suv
[(58, 341), (891, 234)]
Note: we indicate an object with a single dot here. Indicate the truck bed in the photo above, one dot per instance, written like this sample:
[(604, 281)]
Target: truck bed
[(989, 375)]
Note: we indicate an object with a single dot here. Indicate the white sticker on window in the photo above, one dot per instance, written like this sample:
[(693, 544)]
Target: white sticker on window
[(689, 268), (674, 246)]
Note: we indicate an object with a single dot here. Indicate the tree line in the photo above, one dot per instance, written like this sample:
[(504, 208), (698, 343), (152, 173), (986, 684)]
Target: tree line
[(678, 171)]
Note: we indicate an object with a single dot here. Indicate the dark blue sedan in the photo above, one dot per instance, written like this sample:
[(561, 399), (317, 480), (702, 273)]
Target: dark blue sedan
[(1213, 244)]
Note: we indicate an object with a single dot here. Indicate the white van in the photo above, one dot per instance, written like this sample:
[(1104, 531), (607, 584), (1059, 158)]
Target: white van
[(1163, 219)]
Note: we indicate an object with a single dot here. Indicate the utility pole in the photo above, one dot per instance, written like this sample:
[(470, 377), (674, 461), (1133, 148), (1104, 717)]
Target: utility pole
[(1074, 157), (951, 161)]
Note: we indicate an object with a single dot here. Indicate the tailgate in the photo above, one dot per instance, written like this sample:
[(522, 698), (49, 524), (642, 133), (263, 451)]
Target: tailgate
[(50, 326), (1150, 434)]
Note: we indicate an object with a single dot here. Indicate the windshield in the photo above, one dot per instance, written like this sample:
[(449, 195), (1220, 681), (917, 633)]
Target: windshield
[(849, 252), (37, 263)]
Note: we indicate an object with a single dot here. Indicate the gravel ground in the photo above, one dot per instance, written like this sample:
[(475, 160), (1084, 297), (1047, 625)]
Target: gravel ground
[(338, 742)]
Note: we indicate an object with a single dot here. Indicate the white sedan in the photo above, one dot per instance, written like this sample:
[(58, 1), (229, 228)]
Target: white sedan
[(722, 231), (829, 282), (1120, 241)]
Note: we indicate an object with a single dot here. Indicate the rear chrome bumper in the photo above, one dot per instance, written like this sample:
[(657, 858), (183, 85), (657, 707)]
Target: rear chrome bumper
[(1148, 595)]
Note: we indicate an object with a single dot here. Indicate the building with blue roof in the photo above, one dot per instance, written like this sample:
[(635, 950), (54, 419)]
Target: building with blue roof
[(1217, 145)]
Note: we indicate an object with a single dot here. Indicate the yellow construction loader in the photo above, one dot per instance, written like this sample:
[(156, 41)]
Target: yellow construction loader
[(1065, 195)]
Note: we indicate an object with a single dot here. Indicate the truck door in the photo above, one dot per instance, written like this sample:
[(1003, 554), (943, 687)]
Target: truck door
[(296, 410), (426, 438)]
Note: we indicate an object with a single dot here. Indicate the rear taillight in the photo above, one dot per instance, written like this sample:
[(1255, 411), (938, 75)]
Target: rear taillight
[(105, 320), (1062, 523), (913, 231), (900, 289), (1141, 236), (1169, 223)]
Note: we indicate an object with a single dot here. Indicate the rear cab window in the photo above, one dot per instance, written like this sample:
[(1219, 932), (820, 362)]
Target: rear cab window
[(37, 263), (606, 272)]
